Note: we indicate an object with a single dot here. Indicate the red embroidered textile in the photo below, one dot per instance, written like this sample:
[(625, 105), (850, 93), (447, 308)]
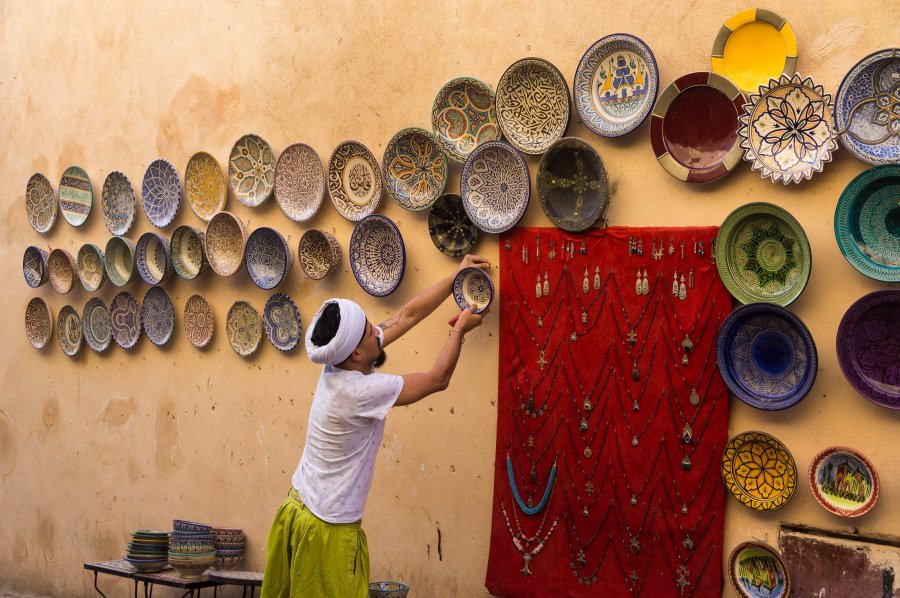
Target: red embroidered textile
[(592, 379)]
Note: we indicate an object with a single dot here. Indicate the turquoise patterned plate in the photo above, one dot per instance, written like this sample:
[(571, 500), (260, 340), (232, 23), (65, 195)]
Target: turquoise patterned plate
[(414, 168), (76, 195)]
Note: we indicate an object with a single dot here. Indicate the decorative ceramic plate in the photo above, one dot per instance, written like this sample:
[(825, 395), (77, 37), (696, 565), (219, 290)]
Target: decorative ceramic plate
[(572, 185), (243, 328), (354, 180), (754, 46), (762, 254), (118, 203), (187, 253), (694, 127), (464, 116), (158, 316), (40, 203), (450, 229), (204, 186), (34, 266), (532, 105), (61, 270), (151, 254), (615, 85), (198, 321), (319, 253), (251, 170), (226, 239), (868, 343), (119, 260), (495, 186), (867, 223), (758, 571), (759, 471), (377, 255), (299, 182), (91, 267), (161, 193), (125, 319), (95, 325), (844, 481), (766, 356), (268, 257), (76, 195), (68, 330), (787, 130), (414, 169), (473, 286), (38, 323), (282, 322), (867, 108)]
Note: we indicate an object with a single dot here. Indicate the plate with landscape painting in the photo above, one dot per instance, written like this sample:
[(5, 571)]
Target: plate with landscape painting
[(757, 570), (844, 481)]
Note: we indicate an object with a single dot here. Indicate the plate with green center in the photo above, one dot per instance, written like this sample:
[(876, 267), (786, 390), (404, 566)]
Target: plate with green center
[(763, 254), (759, 471)]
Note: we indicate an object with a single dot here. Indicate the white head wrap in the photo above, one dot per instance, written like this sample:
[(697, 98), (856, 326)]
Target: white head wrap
[(349, 334)]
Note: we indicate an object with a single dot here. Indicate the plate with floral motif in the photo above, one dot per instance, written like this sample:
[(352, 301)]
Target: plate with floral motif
[(463, 116), (473, 286), (198, 321), (251, 170), (532, 105), (377, 255), (38, 323), (125, 319), (281, 319), (450, 229), (40, 203), (757, 570), (759, 471), (95, 325), (243, 327), (615, 85), (844, 481), (76, 195), (158, 316), (68, 330), (763, 254), (161, 193), (354, 180), (118, 203), (495, 187), (415, 169), (867, 108), (787, 130), (204, 186)]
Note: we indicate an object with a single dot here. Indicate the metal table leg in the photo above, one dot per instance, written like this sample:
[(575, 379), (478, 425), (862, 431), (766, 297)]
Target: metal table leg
[(97, 588)]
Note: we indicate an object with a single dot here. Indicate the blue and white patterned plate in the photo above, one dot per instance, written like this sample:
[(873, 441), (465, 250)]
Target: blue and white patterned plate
[(473, 286), (152, 258), (867, 108), (68, 330), (161, 193), (158, 316), (377, 255), (415, 169), (268, 257), (95, 325), (118, 203), (34, 266), (615, 85), (281, 319), (766, 356), (495, 186), (125, 319)]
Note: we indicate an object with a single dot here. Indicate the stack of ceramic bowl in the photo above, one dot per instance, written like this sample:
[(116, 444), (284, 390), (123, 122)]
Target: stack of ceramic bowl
[(229, 546), (191, 549), (147, 550)]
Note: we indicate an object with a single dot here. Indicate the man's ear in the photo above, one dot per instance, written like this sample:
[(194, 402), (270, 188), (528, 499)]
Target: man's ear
[(356, 355)]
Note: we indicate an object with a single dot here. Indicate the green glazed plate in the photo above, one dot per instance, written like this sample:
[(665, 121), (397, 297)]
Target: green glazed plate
[(762, 254), (867, 223)]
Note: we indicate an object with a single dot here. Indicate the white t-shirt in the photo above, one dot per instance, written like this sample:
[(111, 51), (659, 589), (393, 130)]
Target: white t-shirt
[(346, 425)]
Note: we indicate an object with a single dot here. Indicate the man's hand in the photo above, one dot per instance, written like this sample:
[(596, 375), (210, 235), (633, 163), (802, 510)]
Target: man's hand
[(468, 319), (474, 261)]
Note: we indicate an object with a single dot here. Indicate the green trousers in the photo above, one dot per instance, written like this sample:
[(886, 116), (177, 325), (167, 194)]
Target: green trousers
[(310, 558)]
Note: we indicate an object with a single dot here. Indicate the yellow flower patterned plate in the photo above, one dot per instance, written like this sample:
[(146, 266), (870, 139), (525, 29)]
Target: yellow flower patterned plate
[(759, 471)]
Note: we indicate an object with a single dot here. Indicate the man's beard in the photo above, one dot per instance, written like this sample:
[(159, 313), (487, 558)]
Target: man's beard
[(379, 361)]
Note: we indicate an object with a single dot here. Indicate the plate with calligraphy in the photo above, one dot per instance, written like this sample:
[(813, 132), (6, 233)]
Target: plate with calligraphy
[(450, 229), (251, 170), (243, 327), (377, 255), (763, 254), (532, 105), (354, 180), (204, 186), (867, 223), (572, 185), (615, 85), (787, 130), (766, 356), (415, 169), (757, 570), (759, 471), (867, 108), (463, 116), (844, 481), (125, 319), (754, 46), (868, 343), (495, 187)]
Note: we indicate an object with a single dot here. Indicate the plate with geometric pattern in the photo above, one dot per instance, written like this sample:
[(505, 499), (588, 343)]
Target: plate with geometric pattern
[(463, 116), (125, 319), (68, 330), (158, 316), (161, 193), (415, 169), (759, 471), (281, 319), (495, 186), (377, 255), (204, 185), (251, 170), (40, 203), (198, 321), (243, 327), (532, 105), (118, 203), (473, 286), (76, 195), (95, 325)]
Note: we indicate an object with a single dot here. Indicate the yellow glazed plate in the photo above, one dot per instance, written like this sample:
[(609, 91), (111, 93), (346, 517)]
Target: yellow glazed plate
[(754, 46), (759, 471)]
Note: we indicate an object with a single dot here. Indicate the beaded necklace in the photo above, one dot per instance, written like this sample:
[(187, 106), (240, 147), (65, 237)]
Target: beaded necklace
[(530, 508), (636, 401), (541, 347), (686, 344), (591, 491), (579, 559), (635, 436), (533, 475), (527, 555)]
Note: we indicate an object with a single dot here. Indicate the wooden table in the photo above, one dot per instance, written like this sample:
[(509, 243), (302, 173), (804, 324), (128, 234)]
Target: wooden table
[(246, 579), (166, 577)]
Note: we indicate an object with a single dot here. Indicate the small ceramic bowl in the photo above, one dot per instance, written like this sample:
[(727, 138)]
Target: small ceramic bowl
[(188, 253), (68, 330), (62, 270), (40, 203), (268, 257), (91, 267), (192, 568), (198, 321), (226, 239), (227, 562), (228, 531), (320, 253), (388, 589), (38, 323), (119, 258), (473, 286), (151, 255), (34, 266), (230, 545)]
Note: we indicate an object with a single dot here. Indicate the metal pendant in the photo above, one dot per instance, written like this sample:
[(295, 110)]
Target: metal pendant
[(588, 452), (682, 290), (645, 286), (583, 249), (687, 434), (584, 511), (530, 403), (547, 284), (684, 359), (687, 344), (687, 542), (675, 284), (636, 406), (524, 570), (671, 246), (633, 500), (583, 316), (541, 361), (637, 283), (695, 397), (508, 245), (530, 503), (552, 253), (686, 463), (635, 374), (584, 425), (587, 405), (589, 488), (531, 441), (537, 287), (597, 278), (537, 248), (631, 338), (684, 509), (634, 441), (573, 337), (634, 545), (540, 322), (580, 558), (533, 474), (585, 284)]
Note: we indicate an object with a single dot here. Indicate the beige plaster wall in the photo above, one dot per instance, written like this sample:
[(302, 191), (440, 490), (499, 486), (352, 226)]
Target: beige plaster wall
[(95, 446)]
